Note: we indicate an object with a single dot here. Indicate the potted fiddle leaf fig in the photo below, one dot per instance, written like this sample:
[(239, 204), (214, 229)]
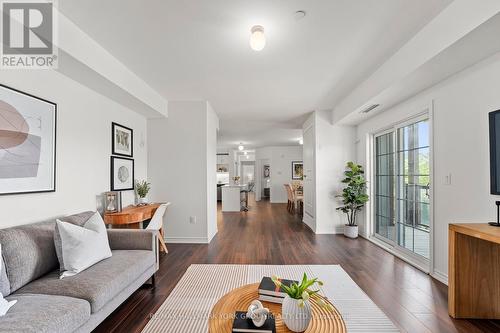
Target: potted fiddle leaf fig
[(142, 188), (353, 196)]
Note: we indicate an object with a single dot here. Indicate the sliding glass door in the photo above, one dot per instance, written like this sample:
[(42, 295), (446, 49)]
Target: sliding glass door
[(402, 182)]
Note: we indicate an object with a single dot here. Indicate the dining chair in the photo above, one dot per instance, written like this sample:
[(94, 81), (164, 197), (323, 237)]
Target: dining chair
[(156, 224), (291, 204)]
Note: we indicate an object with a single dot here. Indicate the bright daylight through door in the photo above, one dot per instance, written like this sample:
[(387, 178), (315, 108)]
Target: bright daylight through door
[(402, 181)]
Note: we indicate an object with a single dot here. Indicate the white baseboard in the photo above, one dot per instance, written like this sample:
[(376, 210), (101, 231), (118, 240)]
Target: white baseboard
[(330, 232), (440, 276), (187, 240)]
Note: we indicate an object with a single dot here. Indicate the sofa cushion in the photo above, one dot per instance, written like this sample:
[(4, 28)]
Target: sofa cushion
[(76, 219), (28, 252), (97, 284), (83, 246), (4, 281), (44, 313)]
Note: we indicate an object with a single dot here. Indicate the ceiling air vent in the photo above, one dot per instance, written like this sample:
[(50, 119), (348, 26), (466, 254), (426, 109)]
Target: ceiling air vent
[(369, 108)]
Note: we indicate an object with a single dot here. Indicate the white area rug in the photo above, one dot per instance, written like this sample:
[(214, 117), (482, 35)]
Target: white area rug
[(188, 306)]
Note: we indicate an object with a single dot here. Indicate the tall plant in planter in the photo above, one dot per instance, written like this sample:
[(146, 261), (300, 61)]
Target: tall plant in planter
[(353, 196)]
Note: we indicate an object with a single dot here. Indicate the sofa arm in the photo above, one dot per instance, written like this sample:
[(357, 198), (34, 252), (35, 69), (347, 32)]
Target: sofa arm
[(131, 239)]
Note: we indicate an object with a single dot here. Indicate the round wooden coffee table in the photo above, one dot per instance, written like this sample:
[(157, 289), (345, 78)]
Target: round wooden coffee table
[(222, 314)]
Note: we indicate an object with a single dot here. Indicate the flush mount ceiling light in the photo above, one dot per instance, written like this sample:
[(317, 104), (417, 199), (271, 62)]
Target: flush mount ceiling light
[(299, 15), (240, 147), (257, 38), (245, 153)]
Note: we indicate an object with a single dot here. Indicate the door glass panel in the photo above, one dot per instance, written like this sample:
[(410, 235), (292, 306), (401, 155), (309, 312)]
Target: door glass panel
[(413, 187), (385, 181), (402, 205)]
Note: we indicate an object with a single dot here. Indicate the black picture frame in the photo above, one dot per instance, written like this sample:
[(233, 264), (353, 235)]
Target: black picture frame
[(115, 126), (294, 163), (267, 170), (114, 186), (54, 153), (493, 118)]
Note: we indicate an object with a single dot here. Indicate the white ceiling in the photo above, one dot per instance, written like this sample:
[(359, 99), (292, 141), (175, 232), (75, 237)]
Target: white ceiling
[(198, 50)]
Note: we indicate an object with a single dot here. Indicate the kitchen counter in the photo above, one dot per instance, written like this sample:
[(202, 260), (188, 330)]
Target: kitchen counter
[(231, 197)]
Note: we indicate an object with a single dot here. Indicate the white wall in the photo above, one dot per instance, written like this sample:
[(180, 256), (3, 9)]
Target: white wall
[(182, 169), (280, 160), (461, 148), (281, 170), (83, 147), (334, 148), (211, 146)]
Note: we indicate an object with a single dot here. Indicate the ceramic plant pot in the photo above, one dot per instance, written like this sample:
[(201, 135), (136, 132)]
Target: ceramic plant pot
[(351, 231), (296, 318)]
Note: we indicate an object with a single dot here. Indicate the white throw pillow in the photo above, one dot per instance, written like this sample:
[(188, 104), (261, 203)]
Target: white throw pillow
[(83, 246), (4, 304)]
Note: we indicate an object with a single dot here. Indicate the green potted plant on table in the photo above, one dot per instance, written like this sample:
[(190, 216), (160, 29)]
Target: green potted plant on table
[(142, 188), (353, 196), (296, 307)]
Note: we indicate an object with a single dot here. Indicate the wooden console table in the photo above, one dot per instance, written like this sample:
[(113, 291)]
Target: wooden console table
[(474, 271), (131, 216)]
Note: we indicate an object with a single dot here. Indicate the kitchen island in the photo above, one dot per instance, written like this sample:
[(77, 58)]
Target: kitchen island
[(231, 197)]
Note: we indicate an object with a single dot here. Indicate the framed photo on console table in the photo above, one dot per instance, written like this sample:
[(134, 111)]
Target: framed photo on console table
[(27, 143), (122, 174), (122, 140)]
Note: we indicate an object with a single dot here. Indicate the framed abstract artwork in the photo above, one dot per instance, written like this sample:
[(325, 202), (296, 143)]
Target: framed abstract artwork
[(122, 140), (27, 143), (122, 174), (267, 171), (297, 170)]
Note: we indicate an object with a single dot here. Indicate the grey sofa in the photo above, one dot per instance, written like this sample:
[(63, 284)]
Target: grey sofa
[(78, 303)]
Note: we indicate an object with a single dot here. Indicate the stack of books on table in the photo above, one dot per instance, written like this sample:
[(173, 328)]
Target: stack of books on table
[(268, 291), (242, 324)]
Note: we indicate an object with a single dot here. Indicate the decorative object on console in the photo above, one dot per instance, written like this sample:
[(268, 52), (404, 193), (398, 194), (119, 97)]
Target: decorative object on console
[(353, 196), (497, 223), (27, 143), (112, 202), (122, 174), (142, 188), (297, 170), (257, 313), (242, 323), (296, 308), (122, 140)]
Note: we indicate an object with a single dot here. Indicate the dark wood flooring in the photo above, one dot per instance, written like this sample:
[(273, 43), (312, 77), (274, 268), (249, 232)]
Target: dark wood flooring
[(268, 234)]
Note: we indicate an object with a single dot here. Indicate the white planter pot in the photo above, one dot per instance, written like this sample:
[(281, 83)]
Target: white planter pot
[(351, 231), (295, 318), (142, 201)]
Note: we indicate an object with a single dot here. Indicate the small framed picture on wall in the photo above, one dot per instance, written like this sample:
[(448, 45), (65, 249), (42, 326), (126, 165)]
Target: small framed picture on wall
[(122, 174), (122, 140), (297, 170)]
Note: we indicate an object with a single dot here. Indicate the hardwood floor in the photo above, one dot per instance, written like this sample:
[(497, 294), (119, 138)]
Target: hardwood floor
[(268, 234)]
